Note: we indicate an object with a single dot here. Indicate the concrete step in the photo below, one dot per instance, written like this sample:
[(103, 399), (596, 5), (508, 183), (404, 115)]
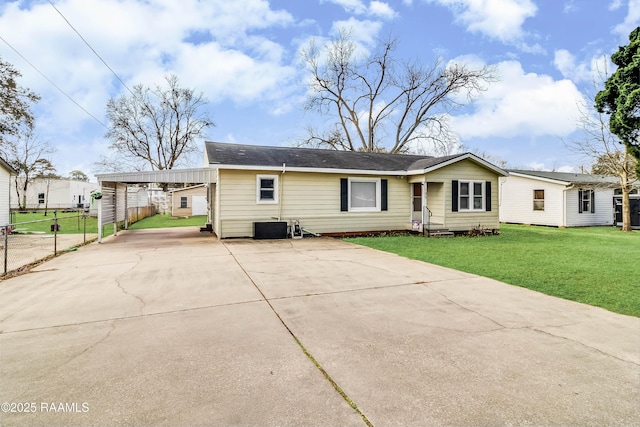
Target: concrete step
[(441, 233)]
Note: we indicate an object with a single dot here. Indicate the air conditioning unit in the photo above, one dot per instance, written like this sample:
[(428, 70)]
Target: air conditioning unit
[(270, 230)]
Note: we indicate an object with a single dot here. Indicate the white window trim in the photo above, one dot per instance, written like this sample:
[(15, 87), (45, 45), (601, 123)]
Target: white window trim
[(378, 207), (539, 200), (275, 190), (471, 196)]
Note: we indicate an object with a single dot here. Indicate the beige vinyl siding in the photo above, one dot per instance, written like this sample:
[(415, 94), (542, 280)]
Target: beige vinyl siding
[(313, 198), (516, 204), (466, 170)]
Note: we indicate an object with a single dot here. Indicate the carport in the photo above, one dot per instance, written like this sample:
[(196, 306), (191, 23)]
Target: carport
[(112, 207)]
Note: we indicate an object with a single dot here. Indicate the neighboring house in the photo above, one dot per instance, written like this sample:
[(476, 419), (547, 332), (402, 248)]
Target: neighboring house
[(6, 172), (557, 199), (634, 207), (189, 201), (330, 191), (53, 193)]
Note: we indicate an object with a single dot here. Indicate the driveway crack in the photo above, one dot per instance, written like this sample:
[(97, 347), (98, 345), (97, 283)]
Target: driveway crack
[(118, 280), (306, 352)]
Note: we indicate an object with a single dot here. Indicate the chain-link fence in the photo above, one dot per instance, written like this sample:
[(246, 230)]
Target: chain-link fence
[(33, 236)]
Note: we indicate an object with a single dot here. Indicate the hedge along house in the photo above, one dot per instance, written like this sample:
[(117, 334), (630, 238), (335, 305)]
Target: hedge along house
[(333, 192), (557, 199), (338, 192)]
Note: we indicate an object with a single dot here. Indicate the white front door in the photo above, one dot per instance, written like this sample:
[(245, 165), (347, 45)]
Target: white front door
[(198, 205)]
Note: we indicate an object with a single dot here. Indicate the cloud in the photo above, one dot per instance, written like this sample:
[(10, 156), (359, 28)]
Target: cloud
[(359, 7), (521, 105), (497, 19), (588, 71), (615, 4), (630, 21), (364, 32)]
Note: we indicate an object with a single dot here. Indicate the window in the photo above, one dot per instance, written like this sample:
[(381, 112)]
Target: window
[(363, 194), (267, 189), (41, 198), (538, 200), (471, 196), (586, 201), (183, 202)]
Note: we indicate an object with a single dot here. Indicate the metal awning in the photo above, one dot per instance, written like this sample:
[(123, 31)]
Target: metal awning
[(170, 176)]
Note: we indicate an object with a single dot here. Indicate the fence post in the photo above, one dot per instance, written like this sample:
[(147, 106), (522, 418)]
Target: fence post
[(55, 233), (6, 247)]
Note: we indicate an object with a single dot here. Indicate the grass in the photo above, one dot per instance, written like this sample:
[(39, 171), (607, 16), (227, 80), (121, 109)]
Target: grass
[(69, 222), (592, 265), (164, 221)]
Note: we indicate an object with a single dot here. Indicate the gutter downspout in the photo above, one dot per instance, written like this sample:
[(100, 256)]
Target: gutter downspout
[(284, 165)]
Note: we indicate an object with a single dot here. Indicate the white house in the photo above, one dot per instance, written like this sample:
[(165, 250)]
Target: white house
[(53, 193), (6, 172), (557, 199), (189, 201)]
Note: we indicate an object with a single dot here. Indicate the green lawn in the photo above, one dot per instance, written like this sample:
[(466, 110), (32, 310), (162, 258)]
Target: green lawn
[(164, 221), (593, 265), (69, 222)]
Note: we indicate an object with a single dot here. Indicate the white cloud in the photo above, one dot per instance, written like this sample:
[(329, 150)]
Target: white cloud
[(615, 4), (498, 19), (521, 105), (364, 32), (359, 7), (630, 22), (565, 62), (588, 71), (382, 10)]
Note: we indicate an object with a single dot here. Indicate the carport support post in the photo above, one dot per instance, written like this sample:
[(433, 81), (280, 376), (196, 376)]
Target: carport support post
[(99, 207), (6, 247)]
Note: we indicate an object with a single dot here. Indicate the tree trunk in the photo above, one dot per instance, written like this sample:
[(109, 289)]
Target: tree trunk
[(626, 207), (626, 210)]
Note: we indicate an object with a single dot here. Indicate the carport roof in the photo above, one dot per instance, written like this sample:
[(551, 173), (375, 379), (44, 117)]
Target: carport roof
[(203, 175)]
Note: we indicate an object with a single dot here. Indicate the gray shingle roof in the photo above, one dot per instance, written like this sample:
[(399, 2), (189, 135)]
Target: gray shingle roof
[(257, 155), (569, 177)]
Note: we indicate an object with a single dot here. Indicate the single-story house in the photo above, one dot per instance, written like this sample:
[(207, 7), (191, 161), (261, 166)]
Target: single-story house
[(189, 201), (6, 172), (53, 193), (333, 192), (330, 191), (557, 199)]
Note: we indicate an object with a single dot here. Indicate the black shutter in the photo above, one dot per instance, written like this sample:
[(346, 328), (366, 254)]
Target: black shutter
[(487, 202), (454, 196), (383, 195), (593, 201), (344, 194), (579, 201)]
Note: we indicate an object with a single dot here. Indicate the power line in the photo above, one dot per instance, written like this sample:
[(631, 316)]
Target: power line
[(90, 47), (52, 83)]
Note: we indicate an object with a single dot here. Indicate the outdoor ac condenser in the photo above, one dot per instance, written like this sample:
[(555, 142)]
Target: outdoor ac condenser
[(270, 230)]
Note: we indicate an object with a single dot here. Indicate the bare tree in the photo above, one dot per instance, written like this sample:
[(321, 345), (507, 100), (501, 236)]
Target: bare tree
[(375, 98), (26, 153), (154, 128), (605, 150)]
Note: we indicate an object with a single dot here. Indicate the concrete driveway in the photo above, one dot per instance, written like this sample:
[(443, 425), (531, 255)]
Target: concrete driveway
[(172, 327)]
